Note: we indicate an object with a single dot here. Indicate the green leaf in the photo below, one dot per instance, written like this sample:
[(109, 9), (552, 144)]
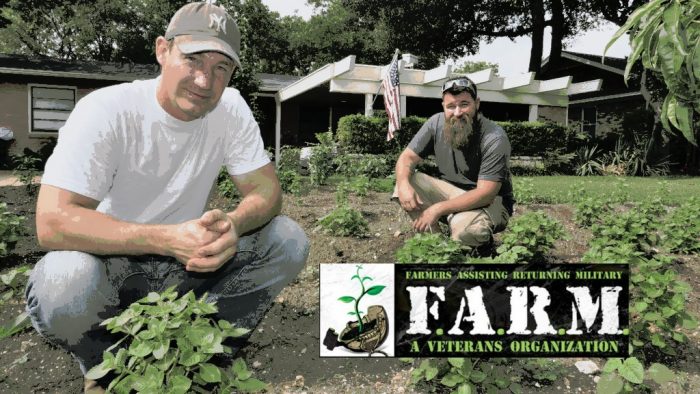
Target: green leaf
[(660, 373), (210, 373), (430, 372), (251, 385), (478, 376), (632, 21), (179, 384), (141, 350), (99, 370), (609, 384), (346, 299), (374, 290), (456, 362), (612, 365), (464, 389), (632, 370), (151, 298), (684, 116), (452, 379)]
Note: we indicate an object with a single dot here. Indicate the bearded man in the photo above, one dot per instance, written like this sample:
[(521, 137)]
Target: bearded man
[(474, 192)]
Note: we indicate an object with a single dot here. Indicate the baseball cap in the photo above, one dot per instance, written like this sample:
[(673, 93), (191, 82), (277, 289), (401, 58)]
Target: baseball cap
[(460, 84), (210, 28)]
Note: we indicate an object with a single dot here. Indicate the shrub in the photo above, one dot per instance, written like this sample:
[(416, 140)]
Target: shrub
[(537, 138), (589, 210), (433, 248), (320, 162), (26, 169), (372, 166), (362, 134), (290, 182), (289, 159), (225, 186), (11, 228), (167, 345)]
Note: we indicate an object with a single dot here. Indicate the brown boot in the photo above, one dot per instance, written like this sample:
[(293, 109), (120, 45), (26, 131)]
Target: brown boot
[(92, 387)]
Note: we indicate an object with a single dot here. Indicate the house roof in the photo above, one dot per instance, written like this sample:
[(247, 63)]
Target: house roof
[(612, 64), (109, 71), (344, 76)]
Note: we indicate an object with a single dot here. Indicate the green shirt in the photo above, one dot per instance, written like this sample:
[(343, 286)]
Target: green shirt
[(485, 157)]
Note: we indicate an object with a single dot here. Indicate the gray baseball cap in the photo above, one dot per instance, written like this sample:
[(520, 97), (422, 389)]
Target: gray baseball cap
[(210, 28)]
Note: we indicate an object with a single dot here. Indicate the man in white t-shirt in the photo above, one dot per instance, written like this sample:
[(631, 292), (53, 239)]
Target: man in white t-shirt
[(123, 196)]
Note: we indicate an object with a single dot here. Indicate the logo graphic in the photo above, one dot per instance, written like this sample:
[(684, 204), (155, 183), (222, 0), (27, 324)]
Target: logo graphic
[(356, 310), (217, 22)]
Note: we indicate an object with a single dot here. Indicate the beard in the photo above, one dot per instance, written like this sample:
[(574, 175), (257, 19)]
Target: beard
[(458, 131)]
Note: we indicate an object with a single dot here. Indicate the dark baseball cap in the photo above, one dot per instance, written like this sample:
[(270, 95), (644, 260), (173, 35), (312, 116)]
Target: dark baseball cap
[(210, 28), (458, 85)]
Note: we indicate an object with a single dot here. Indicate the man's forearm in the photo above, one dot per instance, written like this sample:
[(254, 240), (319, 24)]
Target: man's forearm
[(84, 229), (405, 165), (254, 211)]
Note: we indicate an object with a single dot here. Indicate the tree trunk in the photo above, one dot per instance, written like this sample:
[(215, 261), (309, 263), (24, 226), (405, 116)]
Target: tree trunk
[(557, 32), (537, 12)]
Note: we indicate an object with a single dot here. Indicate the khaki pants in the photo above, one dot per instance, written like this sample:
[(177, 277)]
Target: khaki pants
[(473, 228)]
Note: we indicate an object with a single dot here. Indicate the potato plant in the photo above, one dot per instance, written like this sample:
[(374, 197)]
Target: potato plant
[(11, 228), (433, 248), (167, 347), (529, 237)]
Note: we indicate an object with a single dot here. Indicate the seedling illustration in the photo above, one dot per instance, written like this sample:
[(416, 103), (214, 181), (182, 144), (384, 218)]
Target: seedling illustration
[(374, 290), (372, 326)]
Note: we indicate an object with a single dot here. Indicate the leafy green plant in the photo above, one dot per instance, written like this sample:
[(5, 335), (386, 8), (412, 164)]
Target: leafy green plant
[(321, 160), (26, 170), (225, 186), (465, 375), (20, 323), (590, 210), (290, 182), (361, 186), (373, 291), (623, 376), (167, 345), (658, 306), (433, 248), (586, 161), (289, 159), (344, 221), (529, 238), (665, 36), (525, 192), (14, 281), (11, 228), (681, 227), (368, 165), (621, 236)]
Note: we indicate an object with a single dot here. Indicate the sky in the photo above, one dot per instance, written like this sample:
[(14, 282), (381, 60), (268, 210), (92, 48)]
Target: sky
[(512, 57)]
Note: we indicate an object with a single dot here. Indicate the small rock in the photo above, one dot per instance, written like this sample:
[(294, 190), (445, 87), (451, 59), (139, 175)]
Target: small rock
[(299, 381), (587, 367), (397, 234), (303, 351), (377, 234), (279, 299), (537, 385), (257, 364), (596, 379)]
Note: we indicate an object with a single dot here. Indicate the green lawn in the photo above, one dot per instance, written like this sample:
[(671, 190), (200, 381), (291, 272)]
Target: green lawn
[(559, 189)]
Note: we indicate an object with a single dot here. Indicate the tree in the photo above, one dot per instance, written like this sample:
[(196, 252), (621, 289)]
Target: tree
[(474, 66), (666, 37), (440, 29)]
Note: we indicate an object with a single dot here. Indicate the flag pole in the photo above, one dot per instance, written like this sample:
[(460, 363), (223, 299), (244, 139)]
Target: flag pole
[(396, 55)]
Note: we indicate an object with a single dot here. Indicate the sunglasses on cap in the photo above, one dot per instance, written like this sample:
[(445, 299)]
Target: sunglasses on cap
[(460, 84)]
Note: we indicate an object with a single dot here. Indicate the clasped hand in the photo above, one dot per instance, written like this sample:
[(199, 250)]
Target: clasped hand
[(411, 202), (205, 244)]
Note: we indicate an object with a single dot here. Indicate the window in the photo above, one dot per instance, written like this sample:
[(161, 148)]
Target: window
[(49, 107), (586, 117)]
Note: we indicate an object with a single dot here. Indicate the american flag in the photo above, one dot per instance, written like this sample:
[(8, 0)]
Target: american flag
[(392, 101)]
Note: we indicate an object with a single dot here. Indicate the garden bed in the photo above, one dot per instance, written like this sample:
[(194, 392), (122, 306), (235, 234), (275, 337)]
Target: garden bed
[(284, 349)]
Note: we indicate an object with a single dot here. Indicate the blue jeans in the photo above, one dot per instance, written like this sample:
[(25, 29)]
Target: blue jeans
[(69, 293)]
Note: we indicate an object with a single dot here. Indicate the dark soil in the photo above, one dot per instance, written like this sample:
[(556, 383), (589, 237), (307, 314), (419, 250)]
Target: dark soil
[(284, 348)]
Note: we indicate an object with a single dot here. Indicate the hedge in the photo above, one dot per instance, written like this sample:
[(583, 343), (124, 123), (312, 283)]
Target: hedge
[(361, 134)]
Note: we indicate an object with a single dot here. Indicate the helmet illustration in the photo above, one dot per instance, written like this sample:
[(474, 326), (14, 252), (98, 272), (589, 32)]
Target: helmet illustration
[(375, 330)]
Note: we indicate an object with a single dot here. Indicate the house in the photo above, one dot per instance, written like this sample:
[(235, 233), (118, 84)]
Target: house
[(613, 110), (38, 94)]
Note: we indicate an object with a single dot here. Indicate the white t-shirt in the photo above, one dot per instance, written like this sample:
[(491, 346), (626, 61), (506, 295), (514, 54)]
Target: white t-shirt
[(121, 148)]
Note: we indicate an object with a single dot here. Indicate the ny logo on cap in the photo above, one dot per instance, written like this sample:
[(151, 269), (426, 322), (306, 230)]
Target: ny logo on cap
[(217, 22)]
